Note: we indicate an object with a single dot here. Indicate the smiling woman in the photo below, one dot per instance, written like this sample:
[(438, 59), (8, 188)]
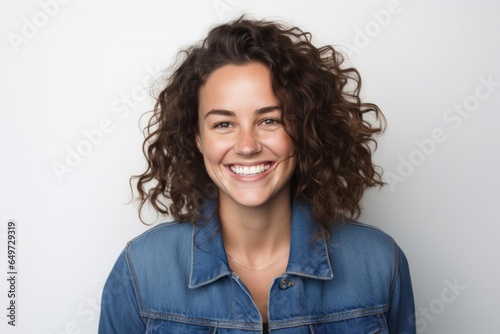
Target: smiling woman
[(246, 150), (259, 111)]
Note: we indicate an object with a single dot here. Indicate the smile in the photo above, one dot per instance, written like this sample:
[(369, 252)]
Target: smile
[(249, 170)]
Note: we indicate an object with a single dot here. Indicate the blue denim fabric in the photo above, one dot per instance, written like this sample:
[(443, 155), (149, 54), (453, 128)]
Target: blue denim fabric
[(175, 278)]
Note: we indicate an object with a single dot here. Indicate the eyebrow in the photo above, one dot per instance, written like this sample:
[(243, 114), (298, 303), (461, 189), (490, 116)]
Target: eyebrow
[(223, 112)]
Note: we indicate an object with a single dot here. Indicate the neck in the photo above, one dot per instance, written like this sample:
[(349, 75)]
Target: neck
[(257, 235)]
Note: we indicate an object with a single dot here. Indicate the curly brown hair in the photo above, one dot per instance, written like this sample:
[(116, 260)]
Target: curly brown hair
[(322, 113)]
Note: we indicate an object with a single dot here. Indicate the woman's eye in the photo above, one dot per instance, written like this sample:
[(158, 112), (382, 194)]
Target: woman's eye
[(271, 121), (222, 125)]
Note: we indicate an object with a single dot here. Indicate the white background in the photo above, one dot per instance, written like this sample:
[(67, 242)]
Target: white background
[(71, 67)]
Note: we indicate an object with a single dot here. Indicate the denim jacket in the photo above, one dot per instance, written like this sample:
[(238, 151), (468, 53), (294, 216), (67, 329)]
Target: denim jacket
[(175, 278)]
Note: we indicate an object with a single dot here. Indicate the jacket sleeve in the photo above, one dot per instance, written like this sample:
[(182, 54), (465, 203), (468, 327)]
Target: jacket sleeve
[(401, 317), (120, 301)]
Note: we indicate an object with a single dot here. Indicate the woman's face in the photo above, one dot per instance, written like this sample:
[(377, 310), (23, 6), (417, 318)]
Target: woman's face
[(246, 150)]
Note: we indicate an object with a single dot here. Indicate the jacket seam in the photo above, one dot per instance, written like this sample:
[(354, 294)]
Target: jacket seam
[(151, 322), (314, 320), (200, 321), (301, 297), (190, 284), (301, 321), (383, 323), (395, 274), (233, 294), (133, 276)]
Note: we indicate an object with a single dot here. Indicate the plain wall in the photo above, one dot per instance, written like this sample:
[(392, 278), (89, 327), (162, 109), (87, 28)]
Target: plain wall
[(75, 77)]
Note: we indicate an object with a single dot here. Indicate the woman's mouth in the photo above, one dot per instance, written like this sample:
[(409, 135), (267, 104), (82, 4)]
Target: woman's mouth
[(250, 170)]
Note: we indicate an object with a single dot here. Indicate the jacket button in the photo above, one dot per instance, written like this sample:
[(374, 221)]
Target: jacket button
[(284, 284)]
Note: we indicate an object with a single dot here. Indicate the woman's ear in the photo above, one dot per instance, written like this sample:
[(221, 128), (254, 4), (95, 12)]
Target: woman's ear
[(198, 142)]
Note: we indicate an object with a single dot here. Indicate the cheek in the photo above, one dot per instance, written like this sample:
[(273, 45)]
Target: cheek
[(214, 150), (281, 144)]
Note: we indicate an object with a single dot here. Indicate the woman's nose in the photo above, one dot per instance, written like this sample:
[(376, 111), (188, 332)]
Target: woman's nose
[(248, 143)]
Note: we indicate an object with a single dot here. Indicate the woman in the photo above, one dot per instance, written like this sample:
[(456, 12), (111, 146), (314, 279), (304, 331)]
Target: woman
[(261, 147)]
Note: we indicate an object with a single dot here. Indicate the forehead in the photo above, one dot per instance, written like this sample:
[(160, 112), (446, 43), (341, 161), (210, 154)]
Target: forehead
[(237, 86), (235, 71)]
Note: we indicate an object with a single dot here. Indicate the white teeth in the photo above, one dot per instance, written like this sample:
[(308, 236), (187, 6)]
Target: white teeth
[(249, 170)]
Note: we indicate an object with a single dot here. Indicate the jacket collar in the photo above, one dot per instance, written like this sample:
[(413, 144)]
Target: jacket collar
[(307, 258)]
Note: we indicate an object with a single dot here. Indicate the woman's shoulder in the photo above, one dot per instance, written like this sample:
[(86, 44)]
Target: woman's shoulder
[(367, 253), (164, 251), (164, 236), (364, 241), (362, 231)]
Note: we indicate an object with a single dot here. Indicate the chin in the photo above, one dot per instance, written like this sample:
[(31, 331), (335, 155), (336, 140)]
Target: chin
[(252, 199)]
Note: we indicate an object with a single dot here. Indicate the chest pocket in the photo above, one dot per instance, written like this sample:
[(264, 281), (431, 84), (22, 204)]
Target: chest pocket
[(374, 324), (156, 326)]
